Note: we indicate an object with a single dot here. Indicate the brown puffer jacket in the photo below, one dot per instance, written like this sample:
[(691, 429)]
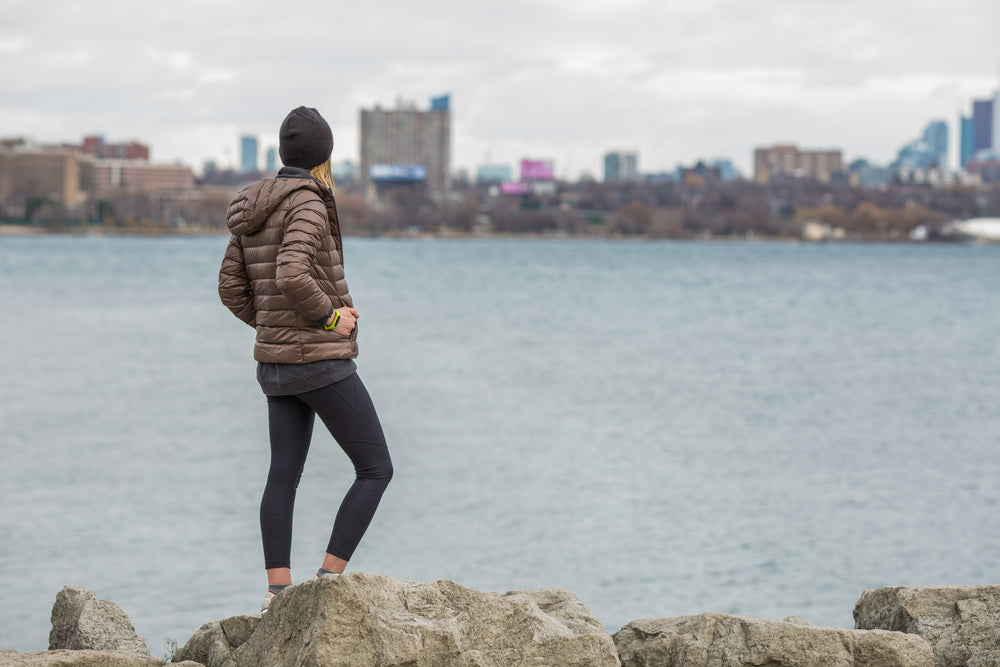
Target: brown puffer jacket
[(282, 271)]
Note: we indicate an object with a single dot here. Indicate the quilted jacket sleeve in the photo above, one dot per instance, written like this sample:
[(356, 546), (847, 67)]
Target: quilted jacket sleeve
[(306, 225), (235, 289)]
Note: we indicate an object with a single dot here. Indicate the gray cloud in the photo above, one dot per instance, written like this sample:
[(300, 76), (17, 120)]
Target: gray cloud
[(568, 80)]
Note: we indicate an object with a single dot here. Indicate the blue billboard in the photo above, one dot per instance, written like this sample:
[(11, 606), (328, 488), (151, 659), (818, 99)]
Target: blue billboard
[(398, 172)]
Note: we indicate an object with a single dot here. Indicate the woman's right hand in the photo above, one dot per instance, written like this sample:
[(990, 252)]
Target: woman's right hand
[(348, 319)]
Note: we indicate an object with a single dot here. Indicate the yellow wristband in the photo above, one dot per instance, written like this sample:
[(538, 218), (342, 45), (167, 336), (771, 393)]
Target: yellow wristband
[(331, 325)]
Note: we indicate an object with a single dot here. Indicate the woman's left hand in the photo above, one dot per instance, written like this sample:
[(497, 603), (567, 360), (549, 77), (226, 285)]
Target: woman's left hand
[(347, 322)]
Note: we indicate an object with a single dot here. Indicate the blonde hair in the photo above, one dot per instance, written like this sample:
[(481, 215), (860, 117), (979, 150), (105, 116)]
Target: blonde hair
[(323, 174)]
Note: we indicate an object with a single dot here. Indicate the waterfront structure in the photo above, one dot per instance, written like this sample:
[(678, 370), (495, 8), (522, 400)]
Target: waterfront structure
[(248, 153), (29, 178), (95, 146), (67, 181), (99, 177), (985, 229), (787, 159), (393, 141), (621, 166)]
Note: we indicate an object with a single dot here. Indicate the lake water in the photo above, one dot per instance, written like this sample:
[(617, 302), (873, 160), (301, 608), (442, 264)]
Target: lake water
[(661, 428)]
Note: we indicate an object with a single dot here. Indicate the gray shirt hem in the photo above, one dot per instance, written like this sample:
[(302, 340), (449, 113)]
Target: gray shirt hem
[(289, 379)]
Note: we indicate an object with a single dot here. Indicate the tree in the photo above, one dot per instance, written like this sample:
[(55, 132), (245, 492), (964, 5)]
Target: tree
[(634, 217)]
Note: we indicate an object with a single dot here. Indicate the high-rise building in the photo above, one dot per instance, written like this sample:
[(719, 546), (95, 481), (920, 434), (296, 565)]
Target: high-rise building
[(789, 160), (936, 138), (995, 124), (272, 160), (621, 166), (248, 153), (982, 121), (406, 144), (967, 140)]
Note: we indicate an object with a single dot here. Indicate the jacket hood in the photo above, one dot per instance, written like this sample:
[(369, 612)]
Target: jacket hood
[(250, 208)]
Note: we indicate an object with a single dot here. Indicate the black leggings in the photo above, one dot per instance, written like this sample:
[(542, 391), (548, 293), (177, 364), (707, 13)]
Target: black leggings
[(348, 413)]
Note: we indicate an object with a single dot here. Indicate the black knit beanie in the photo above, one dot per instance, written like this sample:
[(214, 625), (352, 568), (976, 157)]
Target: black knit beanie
[(305, 139)]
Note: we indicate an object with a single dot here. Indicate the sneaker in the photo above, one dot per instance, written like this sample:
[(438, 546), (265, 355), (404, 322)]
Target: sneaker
[(267, 601)]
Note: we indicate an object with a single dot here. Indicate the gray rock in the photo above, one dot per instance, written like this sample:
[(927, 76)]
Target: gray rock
[(82, 621), (960, 622), (360, 619), (722, 640), (213, 644), (82, 658), (987, 659)]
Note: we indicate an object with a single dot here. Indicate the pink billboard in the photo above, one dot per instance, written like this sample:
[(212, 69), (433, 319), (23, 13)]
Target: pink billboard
[(509, 188), (537, 170)]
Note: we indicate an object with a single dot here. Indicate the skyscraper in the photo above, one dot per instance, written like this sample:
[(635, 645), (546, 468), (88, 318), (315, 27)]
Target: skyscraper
[(995, 124), (621, 166), (967, 141), (936, 138), (928, 152), (248, 153), (982, 121), (396, 142), (272, 160)]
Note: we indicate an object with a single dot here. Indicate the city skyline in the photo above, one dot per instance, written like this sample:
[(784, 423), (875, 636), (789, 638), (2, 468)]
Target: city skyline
[(677, 82)]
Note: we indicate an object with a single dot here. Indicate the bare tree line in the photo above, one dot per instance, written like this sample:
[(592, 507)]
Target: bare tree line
[(697, 208)]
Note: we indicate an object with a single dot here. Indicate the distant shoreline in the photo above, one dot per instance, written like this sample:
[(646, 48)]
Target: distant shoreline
[(22, 230), (14, 229)]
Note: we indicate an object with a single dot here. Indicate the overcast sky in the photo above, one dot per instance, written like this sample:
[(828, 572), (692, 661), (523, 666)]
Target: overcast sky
[(561, 79)]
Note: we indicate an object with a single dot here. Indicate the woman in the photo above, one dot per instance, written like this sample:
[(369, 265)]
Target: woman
[(283, 274)]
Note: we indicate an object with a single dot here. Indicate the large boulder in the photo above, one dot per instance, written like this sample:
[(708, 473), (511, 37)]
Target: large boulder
[(722, 640), (361, 619), (213, 644), (82, 621), (986, 659), (84, 658), (962, 623)]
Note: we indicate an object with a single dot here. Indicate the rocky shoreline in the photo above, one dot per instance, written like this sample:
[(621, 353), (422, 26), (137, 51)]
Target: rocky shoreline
[(364, 619)]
